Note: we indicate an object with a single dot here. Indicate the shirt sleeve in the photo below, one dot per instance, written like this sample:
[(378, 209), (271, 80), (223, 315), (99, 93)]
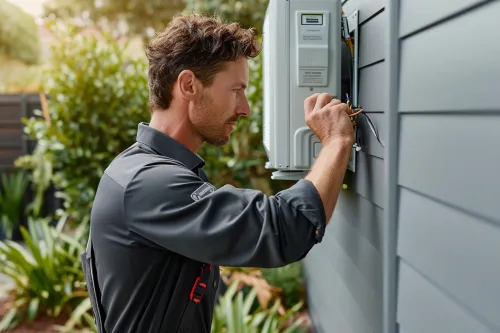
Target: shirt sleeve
[(174, 208)]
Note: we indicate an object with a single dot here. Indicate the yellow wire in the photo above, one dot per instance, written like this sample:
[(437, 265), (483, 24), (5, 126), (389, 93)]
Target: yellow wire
[(351, 47), (348, 40)]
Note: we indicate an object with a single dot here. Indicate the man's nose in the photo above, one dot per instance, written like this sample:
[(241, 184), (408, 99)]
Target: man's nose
[(244, 109)]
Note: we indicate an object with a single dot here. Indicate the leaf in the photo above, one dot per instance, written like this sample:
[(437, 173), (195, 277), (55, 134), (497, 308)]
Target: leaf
[(78, 313), (258, 319), (8, 319), (295, 327), (17, 255), (293, 310), (249, 301), (33, 308), (263, 289)]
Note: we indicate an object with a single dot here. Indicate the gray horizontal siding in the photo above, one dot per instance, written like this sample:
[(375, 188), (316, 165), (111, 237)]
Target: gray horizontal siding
[(422, 307), (344, 272), (416, 15), (457, 252), (362, 215), (453, 158), (453, 66), (372, 40), (363, 255), (446, 120), (369, 177), (327, 313), (356, 226), (367, 8), (373, 87), (361, 303), (350, 276)]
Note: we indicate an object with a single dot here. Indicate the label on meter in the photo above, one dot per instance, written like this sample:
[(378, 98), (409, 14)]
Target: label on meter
[(312, 48), (313, 77)]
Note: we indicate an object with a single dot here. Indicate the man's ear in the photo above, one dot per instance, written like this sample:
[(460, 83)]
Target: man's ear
[(189, 85)]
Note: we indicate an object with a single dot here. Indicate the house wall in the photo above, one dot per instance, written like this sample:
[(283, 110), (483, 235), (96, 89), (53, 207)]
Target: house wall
[(344, 272), (445, 118), (414, 242)]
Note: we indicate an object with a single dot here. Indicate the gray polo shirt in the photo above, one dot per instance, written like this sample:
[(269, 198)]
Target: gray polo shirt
[(156, 219)]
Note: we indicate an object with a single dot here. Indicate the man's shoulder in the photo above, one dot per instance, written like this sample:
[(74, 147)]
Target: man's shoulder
[(135, 164)]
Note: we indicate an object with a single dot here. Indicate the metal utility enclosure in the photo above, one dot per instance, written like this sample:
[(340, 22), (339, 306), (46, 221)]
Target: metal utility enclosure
[(301, 57)]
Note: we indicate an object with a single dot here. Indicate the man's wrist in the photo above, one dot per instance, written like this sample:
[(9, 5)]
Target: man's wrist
[(339, 143)]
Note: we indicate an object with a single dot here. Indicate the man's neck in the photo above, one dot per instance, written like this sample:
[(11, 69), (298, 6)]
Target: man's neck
[(178, 128)]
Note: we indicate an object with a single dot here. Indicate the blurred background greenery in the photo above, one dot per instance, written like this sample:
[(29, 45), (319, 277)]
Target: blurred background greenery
[(86, 57)]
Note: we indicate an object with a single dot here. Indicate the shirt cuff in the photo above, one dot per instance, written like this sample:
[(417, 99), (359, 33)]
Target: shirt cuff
[(304, 197)]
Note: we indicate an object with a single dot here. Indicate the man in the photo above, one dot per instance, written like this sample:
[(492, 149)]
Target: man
[(159, 229)]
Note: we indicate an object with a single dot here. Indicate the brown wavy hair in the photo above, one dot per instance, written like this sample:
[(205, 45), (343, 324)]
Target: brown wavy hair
[(199, 43)]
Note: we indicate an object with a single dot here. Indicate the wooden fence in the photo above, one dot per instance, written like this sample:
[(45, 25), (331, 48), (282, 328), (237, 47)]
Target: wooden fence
[(14, 143), (12, 140)]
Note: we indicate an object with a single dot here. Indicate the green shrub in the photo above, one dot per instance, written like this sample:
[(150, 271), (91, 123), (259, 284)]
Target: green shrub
[(250, 14), (290, 279), (46, 271), (236, 313), (97, 97), (12, 191), (18, 34)]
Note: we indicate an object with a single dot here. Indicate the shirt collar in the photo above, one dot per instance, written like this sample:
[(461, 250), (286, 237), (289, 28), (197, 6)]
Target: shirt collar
[(167, 146)]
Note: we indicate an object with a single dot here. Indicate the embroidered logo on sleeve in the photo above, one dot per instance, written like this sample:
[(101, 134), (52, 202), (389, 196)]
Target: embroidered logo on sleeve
[(202, 191)]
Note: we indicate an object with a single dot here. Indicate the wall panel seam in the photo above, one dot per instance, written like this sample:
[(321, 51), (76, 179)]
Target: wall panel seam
[(361, 195), (369, 18), (449, 295), (452, 206), (372, 64), (447, 18), (475, 112)]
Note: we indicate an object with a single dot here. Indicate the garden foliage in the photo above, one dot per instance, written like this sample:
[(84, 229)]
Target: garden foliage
[(19, 38)]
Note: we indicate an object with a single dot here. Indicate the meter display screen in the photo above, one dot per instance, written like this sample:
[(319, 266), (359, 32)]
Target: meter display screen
[(312, 19)]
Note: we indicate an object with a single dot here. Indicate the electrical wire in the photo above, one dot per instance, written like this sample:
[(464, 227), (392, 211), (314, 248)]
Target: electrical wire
[(373, 129), (355, 111), (350, 44), (360, 111), (345, 33)]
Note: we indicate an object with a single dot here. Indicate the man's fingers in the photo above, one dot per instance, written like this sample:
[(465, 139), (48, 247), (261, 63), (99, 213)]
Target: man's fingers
[(323, 99), (333, 102), (310, 102), (346, 108)]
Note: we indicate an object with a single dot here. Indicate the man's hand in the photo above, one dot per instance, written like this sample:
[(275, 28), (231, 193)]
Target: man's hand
[(328, 118)]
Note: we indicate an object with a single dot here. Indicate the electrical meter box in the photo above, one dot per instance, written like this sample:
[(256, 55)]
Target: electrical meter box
[(301, 57)]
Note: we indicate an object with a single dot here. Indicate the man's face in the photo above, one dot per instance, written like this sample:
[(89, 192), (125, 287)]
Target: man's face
[(216, 113)]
